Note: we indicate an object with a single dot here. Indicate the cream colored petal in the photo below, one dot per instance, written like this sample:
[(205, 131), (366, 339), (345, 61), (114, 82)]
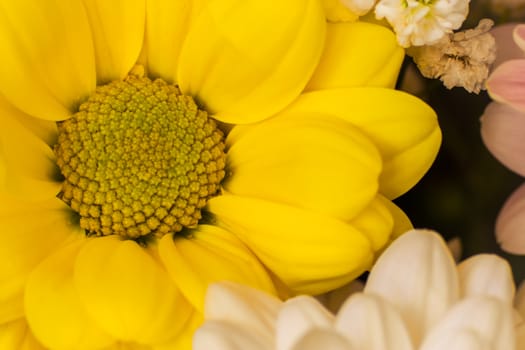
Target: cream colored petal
[(27, 161), (459, 340), (54, 310), (297, 317), (30, 231), (487, 318), (218, 335), (323, 339), (334, 299), (242, 305), (48, 63), (456, 248), (519, 300), (488, 275), (403, 128), (308, 251), (188, 262), (240, 68), (128, 293), (370, 323), (118, 31), (418, 276), (316, 162), (357, 54), (520, 337), (167, 23)]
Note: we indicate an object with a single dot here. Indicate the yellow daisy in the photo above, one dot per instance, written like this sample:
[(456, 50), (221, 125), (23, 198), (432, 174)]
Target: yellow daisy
[(127, 184)]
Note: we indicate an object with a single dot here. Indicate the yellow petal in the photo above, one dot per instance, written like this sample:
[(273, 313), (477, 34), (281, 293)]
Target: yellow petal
[(30, 231), (244, 60), (27, 162), (404, 129), (357, 54), (167, 22), (16, 335), (48, 63), (127, 346), (336, 11), (320, 163), (308, 251), (128, 293), (376, 222), (118, 31), (184, 340), (53, 308), (402, 223), (188, 261), (44, 129)]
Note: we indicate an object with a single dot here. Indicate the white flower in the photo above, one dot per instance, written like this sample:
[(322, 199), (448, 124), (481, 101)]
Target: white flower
[(422, 22), (415, 298)]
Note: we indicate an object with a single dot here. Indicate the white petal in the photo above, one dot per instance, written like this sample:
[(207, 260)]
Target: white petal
[(238, 304), (418, 276), (458, 339), (456, 248), (520, 336), (486, 274), (298, 316), (371, 323), (217, 335), (334, 299), (323, 339), (519, 299), (489, 319)]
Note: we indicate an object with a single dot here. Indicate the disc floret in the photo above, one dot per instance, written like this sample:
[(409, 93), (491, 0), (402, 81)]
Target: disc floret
[(139, 158)]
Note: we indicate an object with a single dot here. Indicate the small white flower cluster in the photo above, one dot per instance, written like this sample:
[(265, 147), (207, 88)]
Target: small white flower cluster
[(426, 28), (460, 59), (415, 22), (422, 22)]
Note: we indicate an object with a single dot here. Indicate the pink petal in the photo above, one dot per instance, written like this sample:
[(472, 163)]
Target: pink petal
[(510, 225), (519, 36), (506, 46), (507, 83), (503, 132)]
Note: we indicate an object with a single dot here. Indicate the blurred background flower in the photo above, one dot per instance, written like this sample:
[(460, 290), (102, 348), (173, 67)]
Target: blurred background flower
[(466, 187)]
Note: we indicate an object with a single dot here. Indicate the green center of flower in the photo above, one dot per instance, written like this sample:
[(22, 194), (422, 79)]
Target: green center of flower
[(139, 158)]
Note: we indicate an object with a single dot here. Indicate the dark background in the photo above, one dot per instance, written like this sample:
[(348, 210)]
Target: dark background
[(464, 190)]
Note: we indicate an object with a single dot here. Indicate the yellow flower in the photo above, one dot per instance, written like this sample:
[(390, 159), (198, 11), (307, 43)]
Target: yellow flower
[(123, 197)]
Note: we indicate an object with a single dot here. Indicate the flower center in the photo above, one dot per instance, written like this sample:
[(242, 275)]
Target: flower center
[(139, 158)]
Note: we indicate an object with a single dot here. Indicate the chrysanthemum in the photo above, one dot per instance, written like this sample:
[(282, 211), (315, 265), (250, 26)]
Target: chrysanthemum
[(126, 188), (415, 298)]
